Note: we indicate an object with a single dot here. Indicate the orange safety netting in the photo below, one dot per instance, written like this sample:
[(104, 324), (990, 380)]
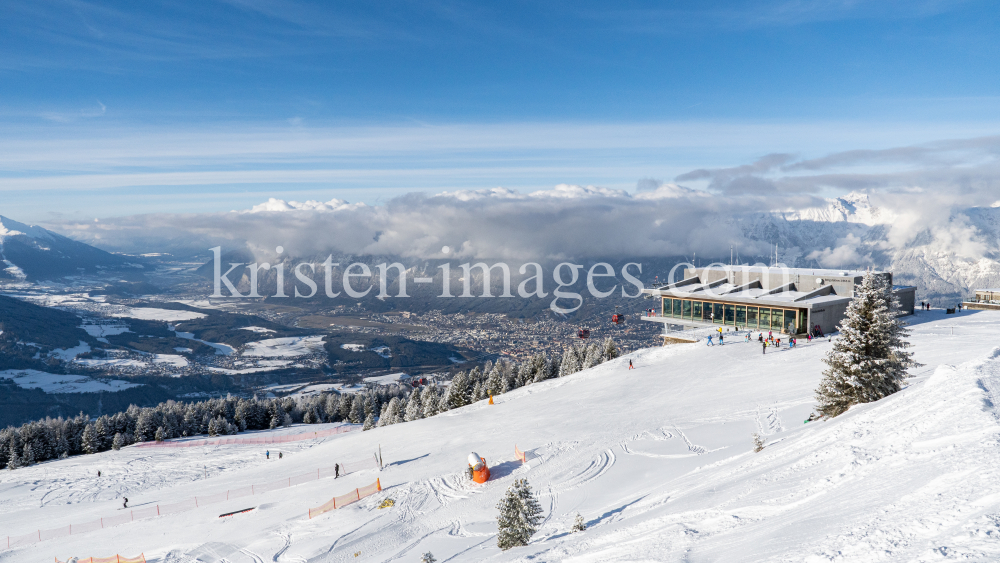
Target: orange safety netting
[(131, 515), (113, 559), (260, 441), (349, 498), (520, 455)]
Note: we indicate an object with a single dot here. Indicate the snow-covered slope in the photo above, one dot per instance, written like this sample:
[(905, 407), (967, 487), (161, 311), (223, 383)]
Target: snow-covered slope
[(31, 252), (658, 460)]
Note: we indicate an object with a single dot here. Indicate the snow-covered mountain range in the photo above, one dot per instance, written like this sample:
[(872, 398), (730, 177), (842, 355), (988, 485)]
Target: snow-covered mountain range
[(946, 258), (29, 252)]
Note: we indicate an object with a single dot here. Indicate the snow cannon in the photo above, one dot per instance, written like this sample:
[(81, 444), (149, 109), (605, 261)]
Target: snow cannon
[(480, 472)]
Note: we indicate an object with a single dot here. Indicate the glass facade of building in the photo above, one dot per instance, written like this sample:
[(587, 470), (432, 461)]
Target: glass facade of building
[(733, 314)]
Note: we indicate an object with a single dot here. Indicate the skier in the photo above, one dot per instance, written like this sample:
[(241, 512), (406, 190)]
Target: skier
[(268, 454), (336, 470), (710, 343), (279, 455), (125, 505), (760, 337), (720, 339), (763, 349), (98, 472), (630, 366)]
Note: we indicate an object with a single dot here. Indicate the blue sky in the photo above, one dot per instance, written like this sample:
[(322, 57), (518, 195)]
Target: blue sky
[(118, 108)]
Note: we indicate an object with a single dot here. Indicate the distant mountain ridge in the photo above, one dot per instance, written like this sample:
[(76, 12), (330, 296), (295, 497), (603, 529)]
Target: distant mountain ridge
[(29, 252), (946, 261)]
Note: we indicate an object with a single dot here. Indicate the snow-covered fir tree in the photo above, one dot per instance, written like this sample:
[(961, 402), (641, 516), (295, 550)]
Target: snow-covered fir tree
[(578, 524), (758, 443), (118, 441), (458, 391), (570, 364), (428, 558), (414, 410), (160, 434), (520, 514), (369, 422), (610, 350), (429, 400), (868, 361), (90, 444), (358, 414), (28, 457)]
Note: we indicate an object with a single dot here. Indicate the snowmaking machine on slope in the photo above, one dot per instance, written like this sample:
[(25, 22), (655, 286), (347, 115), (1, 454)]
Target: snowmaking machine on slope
[(478, 469)]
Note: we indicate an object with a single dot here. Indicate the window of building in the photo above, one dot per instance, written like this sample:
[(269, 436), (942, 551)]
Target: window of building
[(696, 310), (729, 314), (752, 317), (666, 307), (776, 318), (789, 320), (686, 309), (741, 315), (677, 308), (717, 312), (764, 322), (803, 320)]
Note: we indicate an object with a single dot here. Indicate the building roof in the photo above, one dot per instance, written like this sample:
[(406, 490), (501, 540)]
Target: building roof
[(800, 271), (751, 296), (989, 289)]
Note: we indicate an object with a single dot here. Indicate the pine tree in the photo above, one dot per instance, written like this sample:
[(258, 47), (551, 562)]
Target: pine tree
[(610, 351), (494, 380), (414, 410), (89, 440), (118, 441), (569, 364), (358, 414), (579, 525), (458, 391), (160, 434), (595, 355), (369, 422), (758, 443), (14, 458), (429, 399), (428, 558), (868, 361), (520, 514), (28, 458)]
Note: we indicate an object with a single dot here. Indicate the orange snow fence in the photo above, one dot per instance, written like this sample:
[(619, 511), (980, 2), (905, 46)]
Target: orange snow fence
[(131, 515), (344, 500), (113, 559), (519, 454), (258, 441)]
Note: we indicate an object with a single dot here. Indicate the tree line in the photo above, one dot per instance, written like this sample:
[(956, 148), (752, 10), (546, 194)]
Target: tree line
[(379, 405)]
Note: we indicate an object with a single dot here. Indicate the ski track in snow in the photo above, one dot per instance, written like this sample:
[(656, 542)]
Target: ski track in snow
[(915, 477)]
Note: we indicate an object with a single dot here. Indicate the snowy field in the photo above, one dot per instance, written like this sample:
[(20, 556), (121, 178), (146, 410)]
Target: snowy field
[(658, 460), (291, 347), (56, 383)]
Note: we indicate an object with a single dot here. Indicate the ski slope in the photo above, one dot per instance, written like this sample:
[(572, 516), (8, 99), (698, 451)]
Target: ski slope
[(658, 460)]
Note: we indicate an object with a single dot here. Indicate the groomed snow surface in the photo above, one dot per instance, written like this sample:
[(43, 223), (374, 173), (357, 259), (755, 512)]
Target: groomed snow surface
[(658, 460)]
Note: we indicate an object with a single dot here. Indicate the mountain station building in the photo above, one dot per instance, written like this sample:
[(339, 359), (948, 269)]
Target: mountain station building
[(787, 300)]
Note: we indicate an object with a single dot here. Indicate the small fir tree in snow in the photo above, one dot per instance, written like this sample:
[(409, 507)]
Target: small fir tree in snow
[(495, 380), (429, 399), (579, 525), (369, 422), (758, 442), (428, 558), (868, 361), (28, 458), (118, 441), (159, 434), (89, 440), (570, 362), (13, 459), (520, 514)]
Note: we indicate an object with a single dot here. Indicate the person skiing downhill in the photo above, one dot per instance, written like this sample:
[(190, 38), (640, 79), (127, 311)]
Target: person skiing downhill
[(268, 454), (630, 366), (336, 470), (125, 504)]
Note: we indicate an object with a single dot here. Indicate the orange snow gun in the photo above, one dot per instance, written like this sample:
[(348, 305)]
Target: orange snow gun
[(480, 471)]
